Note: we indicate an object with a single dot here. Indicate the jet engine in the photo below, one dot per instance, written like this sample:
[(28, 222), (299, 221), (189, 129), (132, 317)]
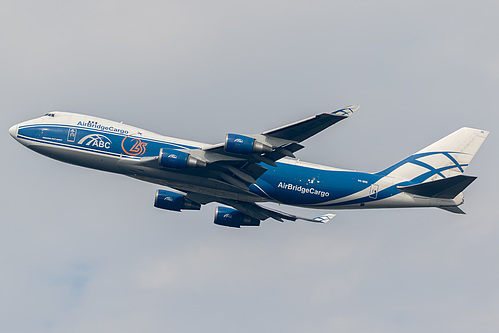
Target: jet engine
[(174, 201), (233, 218), (177, 159), (240, 144)]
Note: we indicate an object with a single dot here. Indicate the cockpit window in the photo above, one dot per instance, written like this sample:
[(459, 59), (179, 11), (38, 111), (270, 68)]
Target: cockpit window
[(50, 114)]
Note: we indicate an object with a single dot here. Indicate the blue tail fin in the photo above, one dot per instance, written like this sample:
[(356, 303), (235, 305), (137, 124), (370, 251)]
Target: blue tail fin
[(445, 158)]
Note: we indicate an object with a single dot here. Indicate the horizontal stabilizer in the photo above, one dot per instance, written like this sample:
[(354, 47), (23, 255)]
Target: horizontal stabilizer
[(453, 209), (447, 188)]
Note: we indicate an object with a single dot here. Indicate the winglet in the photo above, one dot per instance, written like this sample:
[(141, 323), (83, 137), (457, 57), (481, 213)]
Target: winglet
[(323, 219), (346, 112)]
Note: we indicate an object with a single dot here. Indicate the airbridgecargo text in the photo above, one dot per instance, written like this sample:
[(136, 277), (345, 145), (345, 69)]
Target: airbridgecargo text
[(303, 190), (103, 128)]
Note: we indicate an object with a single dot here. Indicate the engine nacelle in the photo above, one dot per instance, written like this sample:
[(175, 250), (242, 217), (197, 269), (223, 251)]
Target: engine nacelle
[(174, 201), (240, 144), (233, 218), (177, 159)]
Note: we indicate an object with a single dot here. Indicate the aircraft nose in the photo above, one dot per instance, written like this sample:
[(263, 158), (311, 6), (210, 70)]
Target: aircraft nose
[(13, 131)]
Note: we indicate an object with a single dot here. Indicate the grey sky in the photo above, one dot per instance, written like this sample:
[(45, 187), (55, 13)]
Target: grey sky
[(86, 251)]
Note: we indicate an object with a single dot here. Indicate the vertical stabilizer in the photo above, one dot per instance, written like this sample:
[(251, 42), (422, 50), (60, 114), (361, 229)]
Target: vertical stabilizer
[(445, 158)]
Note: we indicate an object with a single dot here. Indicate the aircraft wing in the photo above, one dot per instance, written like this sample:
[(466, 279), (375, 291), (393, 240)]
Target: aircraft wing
[(263, 213), (238, 161), (256, 211), (284, 140), (241, 169), (228, 169), (304, 129), (288, 136)]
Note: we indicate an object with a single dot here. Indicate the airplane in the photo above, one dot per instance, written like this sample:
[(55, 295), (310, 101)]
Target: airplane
[(246, 170)]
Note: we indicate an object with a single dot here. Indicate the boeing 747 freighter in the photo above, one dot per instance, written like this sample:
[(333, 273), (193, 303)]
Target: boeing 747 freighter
[(246, 170)]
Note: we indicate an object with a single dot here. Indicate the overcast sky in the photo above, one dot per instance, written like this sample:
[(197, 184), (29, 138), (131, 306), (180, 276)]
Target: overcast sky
[(86, 251)]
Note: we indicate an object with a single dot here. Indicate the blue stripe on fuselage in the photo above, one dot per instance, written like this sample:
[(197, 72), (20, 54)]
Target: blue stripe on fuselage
[(288, 183), (107, 143), (299, 185), (291, 184)]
